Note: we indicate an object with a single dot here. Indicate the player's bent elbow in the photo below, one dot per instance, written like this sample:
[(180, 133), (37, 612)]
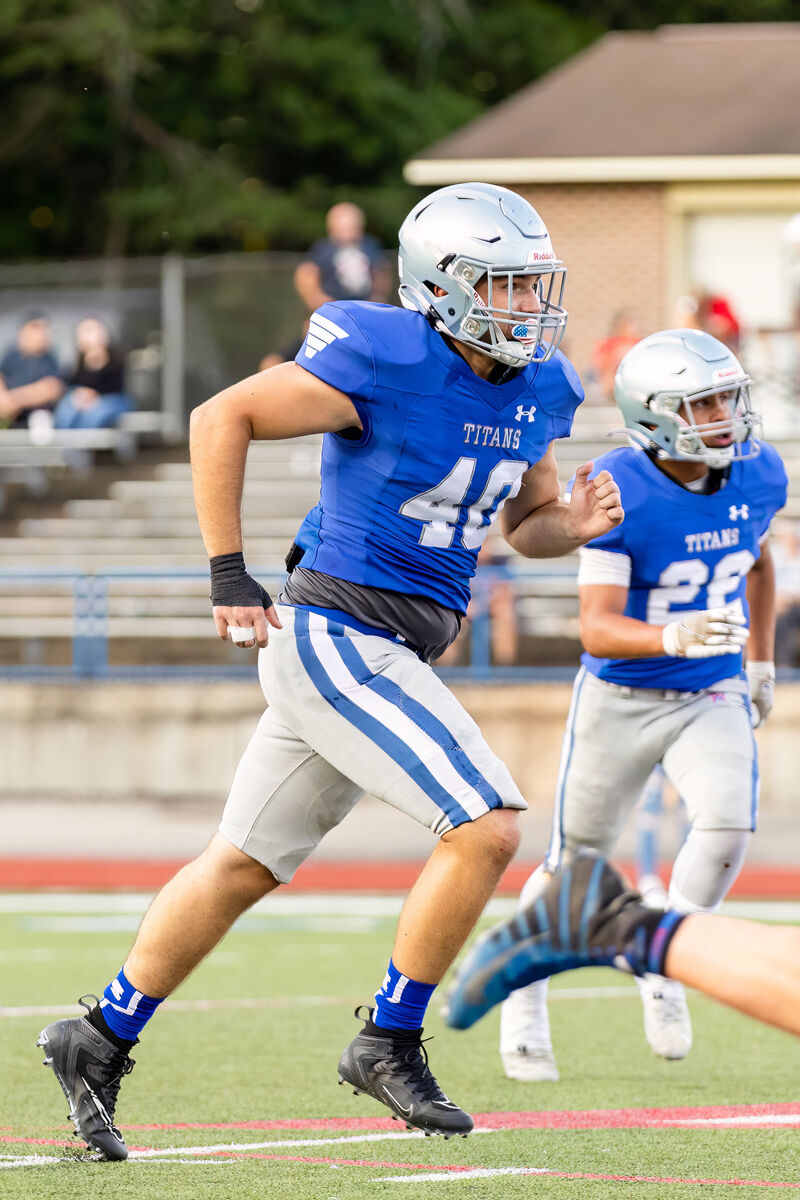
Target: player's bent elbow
[(198, 420), (594, 638)]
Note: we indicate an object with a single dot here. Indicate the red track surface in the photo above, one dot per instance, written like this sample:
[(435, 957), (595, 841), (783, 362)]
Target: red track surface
[(757, 881), (747, 1116)]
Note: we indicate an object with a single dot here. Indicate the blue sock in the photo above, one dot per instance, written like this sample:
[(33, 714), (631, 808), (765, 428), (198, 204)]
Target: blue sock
[(401, 1002), (126, 1011)]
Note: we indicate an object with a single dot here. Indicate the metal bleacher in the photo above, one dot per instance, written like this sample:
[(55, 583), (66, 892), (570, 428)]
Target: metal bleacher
[(29, 462), (129, 569)]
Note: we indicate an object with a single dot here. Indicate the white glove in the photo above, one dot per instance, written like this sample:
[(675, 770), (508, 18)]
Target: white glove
[(761, 678), (706, 634)]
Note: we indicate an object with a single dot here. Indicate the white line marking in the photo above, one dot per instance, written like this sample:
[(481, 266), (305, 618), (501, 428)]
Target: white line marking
[(282, 1143), (48, 1160), (324, 904), (74, 1010), (626, 992)]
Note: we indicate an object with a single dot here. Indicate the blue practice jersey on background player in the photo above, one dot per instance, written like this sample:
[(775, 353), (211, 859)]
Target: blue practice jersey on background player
[(406, 505), (688, 552)]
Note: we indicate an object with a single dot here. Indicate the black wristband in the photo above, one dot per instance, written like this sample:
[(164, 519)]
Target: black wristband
[(232, 587)]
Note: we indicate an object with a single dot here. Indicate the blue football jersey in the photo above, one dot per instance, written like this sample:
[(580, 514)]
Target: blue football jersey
[(688, 552), (407, 504)]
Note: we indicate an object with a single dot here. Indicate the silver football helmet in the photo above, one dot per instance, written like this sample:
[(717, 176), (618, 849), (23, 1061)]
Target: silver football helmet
[(458, 236), (661, 377)]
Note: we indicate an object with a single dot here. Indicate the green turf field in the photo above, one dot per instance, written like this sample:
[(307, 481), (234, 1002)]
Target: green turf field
[(276, 1061)]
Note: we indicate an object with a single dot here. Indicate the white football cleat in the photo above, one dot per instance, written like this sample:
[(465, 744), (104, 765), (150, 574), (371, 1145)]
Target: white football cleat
[(667, 1025), (529, 1065), (525, 1047)]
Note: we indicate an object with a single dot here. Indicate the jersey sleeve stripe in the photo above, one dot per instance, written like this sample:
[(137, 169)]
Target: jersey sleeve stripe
[(330, 326)]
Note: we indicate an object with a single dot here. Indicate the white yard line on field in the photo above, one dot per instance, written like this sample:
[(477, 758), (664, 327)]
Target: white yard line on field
[(624, 992), (282, 1143), (49, 1160), (321, 904)]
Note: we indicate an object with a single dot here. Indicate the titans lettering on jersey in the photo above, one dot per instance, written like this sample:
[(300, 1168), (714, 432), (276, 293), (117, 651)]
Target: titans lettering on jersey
[(688, 552), (406, 505)]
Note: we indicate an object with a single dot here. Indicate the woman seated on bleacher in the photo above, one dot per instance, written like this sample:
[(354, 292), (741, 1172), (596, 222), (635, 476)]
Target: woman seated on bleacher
[(96, 396)]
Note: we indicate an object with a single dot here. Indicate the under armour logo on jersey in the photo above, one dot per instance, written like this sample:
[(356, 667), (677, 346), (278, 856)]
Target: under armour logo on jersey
[(525, 412), (734, 513), (321, 332)]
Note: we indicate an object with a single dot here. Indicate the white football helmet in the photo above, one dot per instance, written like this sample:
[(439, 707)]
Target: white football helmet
[(457, 236), (659, 379)]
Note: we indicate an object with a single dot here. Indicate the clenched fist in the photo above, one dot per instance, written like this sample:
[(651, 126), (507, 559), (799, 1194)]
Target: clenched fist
[(595, 505)]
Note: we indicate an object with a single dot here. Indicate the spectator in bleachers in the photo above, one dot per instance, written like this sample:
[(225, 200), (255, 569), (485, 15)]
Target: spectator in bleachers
[(609, 352), (96, 396), (348, 264), (29, 375), (712, 313)]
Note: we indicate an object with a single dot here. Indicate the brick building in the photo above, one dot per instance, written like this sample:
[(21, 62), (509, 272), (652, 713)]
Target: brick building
[(663, 163)]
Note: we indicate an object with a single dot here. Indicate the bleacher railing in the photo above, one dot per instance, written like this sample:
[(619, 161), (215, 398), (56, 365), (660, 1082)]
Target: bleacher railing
[(86, 621)]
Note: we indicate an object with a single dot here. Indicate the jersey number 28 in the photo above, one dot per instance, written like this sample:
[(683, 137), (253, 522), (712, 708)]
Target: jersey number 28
[(440, 507), (680, 582)]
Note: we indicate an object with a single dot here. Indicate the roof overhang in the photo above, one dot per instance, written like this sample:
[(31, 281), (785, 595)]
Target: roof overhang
[(426, 172)]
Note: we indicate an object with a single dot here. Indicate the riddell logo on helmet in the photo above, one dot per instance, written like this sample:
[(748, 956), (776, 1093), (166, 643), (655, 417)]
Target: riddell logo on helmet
[(541, 256), (725, 373)]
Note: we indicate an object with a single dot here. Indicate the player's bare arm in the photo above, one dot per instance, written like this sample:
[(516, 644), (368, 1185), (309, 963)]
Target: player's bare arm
[(760, 665), (761, 602), (284, 402), (605, 630), (539, 524)]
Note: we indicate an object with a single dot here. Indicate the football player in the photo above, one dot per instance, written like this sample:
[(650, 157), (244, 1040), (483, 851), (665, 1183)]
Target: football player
[(664, 604), (436, 415)]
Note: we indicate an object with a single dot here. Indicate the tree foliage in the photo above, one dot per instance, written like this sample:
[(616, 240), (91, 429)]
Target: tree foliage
[(134, 126)]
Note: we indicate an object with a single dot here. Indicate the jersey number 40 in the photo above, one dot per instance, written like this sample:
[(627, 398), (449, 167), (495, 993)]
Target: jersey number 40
[(440, 508)]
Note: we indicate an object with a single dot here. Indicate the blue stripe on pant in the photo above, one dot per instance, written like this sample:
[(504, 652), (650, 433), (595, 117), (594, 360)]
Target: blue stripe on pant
[(427, 721), (388, 741), (552, 859)]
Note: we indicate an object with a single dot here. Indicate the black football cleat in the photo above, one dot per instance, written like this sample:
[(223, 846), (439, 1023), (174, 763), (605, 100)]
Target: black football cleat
[(395, 1072), (90, 1069), (586, 916)]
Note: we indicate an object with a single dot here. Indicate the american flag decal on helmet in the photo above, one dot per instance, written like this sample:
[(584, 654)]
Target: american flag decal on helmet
[(321, 333)]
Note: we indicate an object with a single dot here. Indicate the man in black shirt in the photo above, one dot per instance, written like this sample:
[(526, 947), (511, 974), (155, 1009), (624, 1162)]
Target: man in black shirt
[(348, 264)]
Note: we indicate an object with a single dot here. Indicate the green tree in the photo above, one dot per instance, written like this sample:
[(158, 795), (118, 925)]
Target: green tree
[(134, 126)]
